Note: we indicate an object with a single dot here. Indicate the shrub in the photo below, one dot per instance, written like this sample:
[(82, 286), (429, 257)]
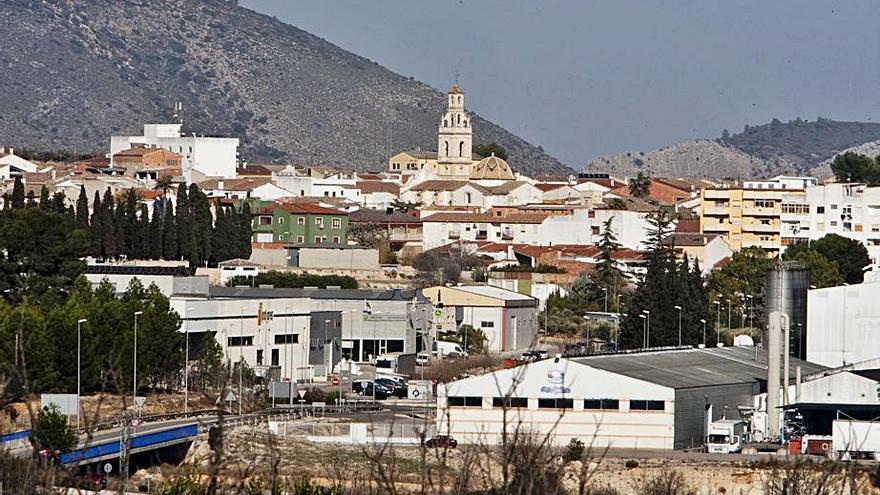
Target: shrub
[(574, 451), (631, 464)]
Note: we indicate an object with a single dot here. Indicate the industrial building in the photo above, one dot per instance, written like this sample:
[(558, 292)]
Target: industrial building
[(844, 323), (507, 318), (661, 399)]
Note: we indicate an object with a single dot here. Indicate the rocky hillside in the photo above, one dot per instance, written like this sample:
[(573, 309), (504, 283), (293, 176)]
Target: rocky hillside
[(77, 71), (701, 158), (795, 147)]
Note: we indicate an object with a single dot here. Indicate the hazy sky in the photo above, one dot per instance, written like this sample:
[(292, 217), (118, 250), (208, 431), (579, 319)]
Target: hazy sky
[(585, 78)]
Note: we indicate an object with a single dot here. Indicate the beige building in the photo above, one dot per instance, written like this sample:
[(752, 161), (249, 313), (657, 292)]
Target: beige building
[(755, 217)]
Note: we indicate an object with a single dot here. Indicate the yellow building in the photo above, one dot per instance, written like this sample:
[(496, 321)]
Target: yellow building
[(752, 217), (412, 162)]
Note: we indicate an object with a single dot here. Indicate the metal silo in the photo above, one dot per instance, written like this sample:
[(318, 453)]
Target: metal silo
[(786, 292)]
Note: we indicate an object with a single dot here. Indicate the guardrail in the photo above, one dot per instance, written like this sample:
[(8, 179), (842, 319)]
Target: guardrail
[(16, 435)]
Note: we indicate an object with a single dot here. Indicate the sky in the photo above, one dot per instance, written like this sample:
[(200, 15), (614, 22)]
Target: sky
[(586, 78)]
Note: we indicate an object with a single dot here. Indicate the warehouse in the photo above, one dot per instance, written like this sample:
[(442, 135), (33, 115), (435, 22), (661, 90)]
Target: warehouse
[(660, 399)]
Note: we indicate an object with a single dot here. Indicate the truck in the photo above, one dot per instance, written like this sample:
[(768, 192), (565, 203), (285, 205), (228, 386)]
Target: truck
[(852, 439), (451, 349), (725, 436)]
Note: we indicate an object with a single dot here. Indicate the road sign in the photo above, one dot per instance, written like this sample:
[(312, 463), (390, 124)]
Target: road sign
[(334, 380), (301, 392), (140, 401), (108, 468), (419, 390), (68, 404), (230, 397)]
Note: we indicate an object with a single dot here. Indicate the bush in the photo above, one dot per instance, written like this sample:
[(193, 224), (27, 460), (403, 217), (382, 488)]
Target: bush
[(574, 451), (52, 432), (332, 397), (667, 482), (631, 464)]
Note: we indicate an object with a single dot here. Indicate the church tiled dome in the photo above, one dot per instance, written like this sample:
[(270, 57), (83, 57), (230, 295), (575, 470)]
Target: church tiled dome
[(492, 168)]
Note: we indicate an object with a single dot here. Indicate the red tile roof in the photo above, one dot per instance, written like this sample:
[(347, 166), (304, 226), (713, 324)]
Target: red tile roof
[(374, 186), (305, 208)]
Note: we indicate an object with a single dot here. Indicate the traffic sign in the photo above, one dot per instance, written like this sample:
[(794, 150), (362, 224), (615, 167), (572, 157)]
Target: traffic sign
[(108, 468), (230, 397), (140, 401), (301, 392), (334, 380)]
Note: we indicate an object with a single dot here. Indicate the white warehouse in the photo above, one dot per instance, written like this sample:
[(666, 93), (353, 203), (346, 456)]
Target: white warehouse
[(844, 323)]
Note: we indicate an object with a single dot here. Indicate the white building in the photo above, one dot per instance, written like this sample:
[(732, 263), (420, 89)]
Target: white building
[(509, 193), (655, 400), (333, 185), (508, 319), (238, 267), (210, 156), (843, 323), (454, 137), (12, 164), (781, 182), (850, 210)]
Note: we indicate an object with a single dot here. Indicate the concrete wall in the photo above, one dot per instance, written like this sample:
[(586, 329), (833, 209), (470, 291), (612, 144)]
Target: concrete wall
[(844, 324), (692, 415), (350, 259)]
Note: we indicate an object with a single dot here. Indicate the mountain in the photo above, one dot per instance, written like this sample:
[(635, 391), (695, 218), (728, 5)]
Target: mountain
[(77, 71), (795, 147)]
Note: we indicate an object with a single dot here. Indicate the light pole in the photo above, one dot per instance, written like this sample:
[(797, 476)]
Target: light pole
[(703, 321), (605, 291), (644, 332), (186, 362), (135, 367), (729, 312), (324, 348), (618, 302), (288, 353), (240, 357), (717, 317), (679, 323), (648, 322), (751, 309), (78, 366)]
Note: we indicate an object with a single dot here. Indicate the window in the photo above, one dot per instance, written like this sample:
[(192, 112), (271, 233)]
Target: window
[(594, 230), (317, 239), (833, 207), (394, 345), (280, 219), (301, 221), (465, 401), (834, 223), (319, 222), (259, 357), (521, 402), (337, 223), (555, 404), (264, 220), (487, 324), (287, 338), (336, 239), (764, 203), (601, 404), (275, 357), (820, 210), (647, 405), (239, 341), (299, 239)]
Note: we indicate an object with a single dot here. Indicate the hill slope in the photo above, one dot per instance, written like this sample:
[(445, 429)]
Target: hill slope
[(77, 71), (796, 147)]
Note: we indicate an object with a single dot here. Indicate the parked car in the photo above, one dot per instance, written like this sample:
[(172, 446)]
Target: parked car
[(381, 393), (423, 359), (394, 387), (358, 386), (441, 441), (530, 356)]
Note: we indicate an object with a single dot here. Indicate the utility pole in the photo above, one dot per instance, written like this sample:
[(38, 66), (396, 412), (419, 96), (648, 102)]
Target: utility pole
[(135, 367), (78, 368), (679, 323)]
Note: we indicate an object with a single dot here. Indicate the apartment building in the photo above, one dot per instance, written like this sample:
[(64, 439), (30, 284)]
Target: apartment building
[(769, 214), (300, 223), (850, 210)]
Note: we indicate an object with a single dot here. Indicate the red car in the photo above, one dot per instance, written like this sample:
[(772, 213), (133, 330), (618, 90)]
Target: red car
[(441, 441)]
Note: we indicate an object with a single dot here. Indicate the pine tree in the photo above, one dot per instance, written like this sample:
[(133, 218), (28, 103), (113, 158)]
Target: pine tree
[(609, 276), (169, 233), (44, 198), (82, 208), (18, 193)]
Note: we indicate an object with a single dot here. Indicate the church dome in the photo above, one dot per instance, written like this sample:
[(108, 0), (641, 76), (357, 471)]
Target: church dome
[(492, 168)]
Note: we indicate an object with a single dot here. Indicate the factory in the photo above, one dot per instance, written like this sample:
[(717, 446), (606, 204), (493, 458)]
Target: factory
[(656, 399)]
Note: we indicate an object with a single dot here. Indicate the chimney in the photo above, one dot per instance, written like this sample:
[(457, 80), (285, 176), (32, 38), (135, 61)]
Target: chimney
[(11, 150), (220, 184)]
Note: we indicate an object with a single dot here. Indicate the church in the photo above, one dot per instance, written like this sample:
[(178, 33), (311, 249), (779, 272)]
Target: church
[(453, 159)]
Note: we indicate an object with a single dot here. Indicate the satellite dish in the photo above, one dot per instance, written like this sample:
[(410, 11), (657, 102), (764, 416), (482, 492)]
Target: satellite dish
[(743, 341)]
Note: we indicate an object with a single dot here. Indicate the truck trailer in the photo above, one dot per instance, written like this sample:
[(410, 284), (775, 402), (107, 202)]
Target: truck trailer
[(855, 439)]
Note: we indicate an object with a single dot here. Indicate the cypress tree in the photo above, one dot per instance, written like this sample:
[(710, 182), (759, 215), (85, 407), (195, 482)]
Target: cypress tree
[(31, 199), (108, 229), (182, 222), (169, 233), (18, 193), (58, 204), (44, 198), (144, 247), (97, 227), (221, 235), (245, 233), (82, 208), (154, 235), (7, 201), (121, 231)]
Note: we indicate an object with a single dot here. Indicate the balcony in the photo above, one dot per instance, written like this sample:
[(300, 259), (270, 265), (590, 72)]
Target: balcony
[(455, 235), (716, 211), (761, 212), (507, 235), (716, 227), (716, 193), (482, 235), (404, 235), (761, 227)]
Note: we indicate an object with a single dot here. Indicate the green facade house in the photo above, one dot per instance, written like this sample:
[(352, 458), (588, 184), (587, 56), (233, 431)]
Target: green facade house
[(300, 223)]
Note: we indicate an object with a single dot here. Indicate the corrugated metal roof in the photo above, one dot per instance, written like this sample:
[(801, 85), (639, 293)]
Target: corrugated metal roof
[(282, 293), (690, 368)]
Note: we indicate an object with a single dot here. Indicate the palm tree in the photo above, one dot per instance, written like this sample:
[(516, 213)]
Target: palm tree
[(164, 183), (640, 185)]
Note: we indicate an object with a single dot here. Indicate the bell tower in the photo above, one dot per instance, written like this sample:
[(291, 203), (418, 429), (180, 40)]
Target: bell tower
[(455, 136)]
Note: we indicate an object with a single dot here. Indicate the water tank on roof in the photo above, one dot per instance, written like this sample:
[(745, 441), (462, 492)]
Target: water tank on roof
[(786, 291)]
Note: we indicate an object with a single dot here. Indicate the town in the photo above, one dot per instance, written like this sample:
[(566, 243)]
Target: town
[(190, 309)]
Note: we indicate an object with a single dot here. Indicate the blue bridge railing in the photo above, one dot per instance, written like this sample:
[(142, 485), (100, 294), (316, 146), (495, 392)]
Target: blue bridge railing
[(112, 447)]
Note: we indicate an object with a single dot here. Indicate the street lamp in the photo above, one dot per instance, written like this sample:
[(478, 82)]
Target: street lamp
[(240, 357), (703, 321), (324, 349), (186, 363), (135, 367), (729, 312), (78, 366), (679, 323), (751, 299), (605, 291), (644, 332), (717, 316), (648, 322)]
